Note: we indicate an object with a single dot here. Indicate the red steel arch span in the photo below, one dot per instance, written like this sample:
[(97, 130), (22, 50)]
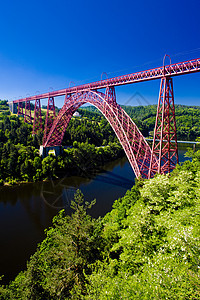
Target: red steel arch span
[(164, 154), (134, 144)]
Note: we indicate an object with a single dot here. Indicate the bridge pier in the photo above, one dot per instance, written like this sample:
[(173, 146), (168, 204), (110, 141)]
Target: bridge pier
[(165, 138), (55, 150), (12, 107)]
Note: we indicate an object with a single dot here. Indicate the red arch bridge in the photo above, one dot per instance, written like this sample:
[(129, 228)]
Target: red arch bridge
[(145, 161)]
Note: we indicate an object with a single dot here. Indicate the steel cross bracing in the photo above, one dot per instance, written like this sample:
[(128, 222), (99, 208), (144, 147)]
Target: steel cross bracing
[(187, 67), (50, 116), (165, 139), (37, 122), (146, 162), (20, 110), (27, 115), (134, 144)]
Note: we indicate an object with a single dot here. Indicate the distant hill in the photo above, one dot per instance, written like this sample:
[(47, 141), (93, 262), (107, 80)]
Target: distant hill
[(187, 119)]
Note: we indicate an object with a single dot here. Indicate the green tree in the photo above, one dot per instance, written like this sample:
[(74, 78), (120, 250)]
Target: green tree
[(57, 270)]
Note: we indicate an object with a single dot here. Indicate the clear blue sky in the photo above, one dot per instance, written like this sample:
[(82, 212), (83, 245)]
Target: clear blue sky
[(46, 44)]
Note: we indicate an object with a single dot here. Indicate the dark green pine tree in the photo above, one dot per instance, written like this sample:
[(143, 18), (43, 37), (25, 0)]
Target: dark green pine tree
[(57, 269)]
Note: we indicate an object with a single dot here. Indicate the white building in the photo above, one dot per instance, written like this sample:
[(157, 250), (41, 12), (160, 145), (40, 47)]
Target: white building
[(76, 114)]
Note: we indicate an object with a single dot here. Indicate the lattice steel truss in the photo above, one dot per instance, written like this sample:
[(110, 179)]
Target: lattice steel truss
[(27, 116), (181, 68), (37, 123), (20, 110), (146, 162), (50, 116), (165, 139), (134, 144)]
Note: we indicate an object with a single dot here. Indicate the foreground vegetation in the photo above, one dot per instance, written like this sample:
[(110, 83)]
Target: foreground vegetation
[(147, 247)]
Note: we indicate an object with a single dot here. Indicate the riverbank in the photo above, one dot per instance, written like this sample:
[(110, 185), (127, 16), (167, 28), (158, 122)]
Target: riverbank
[(83, 159), (150, 231), (26, 210)]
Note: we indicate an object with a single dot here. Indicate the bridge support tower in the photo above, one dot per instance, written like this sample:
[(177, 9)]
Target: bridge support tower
[(50, 116), (27, 116), (37, 123), (165, 139)]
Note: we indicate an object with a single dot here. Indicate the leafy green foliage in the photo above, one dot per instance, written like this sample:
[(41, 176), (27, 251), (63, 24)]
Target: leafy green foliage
[(91, 127), (147, 247), (4, 109), (58, 268), (19, 155), (187, 120), (132, 112), (155, 252)]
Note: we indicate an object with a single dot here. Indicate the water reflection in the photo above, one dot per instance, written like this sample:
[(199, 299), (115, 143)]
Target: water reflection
[(26, 210)]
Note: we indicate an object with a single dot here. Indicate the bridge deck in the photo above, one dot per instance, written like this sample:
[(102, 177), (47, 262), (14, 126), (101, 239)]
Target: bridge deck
[(180, 68)]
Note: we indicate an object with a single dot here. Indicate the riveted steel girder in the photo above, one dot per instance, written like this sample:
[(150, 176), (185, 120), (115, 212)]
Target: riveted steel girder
[(164, 145), (37, 123), (134, 144), (27, 116), (50, 116)]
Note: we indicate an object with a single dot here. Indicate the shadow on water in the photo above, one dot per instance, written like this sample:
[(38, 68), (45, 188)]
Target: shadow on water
[(26, 210)]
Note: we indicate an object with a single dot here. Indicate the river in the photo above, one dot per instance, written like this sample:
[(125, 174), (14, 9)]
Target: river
[(26, 210)]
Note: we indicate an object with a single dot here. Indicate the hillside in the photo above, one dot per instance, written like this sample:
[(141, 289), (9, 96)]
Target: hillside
[(147, 247), (187, 119)]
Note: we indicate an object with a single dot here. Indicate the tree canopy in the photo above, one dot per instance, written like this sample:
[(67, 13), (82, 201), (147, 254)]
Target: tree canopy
[(146, 247)]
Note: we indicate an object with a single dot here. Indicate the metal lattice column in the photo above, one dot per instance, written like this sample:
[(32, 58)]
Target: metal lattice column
[(50, 116), (27, 116), (20, 110), (165, 139), (37, 123)]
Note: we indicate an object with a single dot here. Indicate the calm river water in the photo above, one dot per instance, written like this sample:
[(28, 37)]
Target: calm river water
[(26, 210)]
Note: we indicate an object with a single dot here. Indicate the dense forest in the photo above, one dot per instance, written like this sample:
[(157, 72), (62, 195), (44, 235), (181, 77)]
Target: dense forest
[(87, 137), (187, 119), (147, 247)]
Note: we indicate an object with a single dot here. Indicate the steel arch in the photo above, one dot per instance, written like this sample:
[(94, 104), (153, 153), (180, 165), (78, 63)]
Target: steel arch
[(134, 144)]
